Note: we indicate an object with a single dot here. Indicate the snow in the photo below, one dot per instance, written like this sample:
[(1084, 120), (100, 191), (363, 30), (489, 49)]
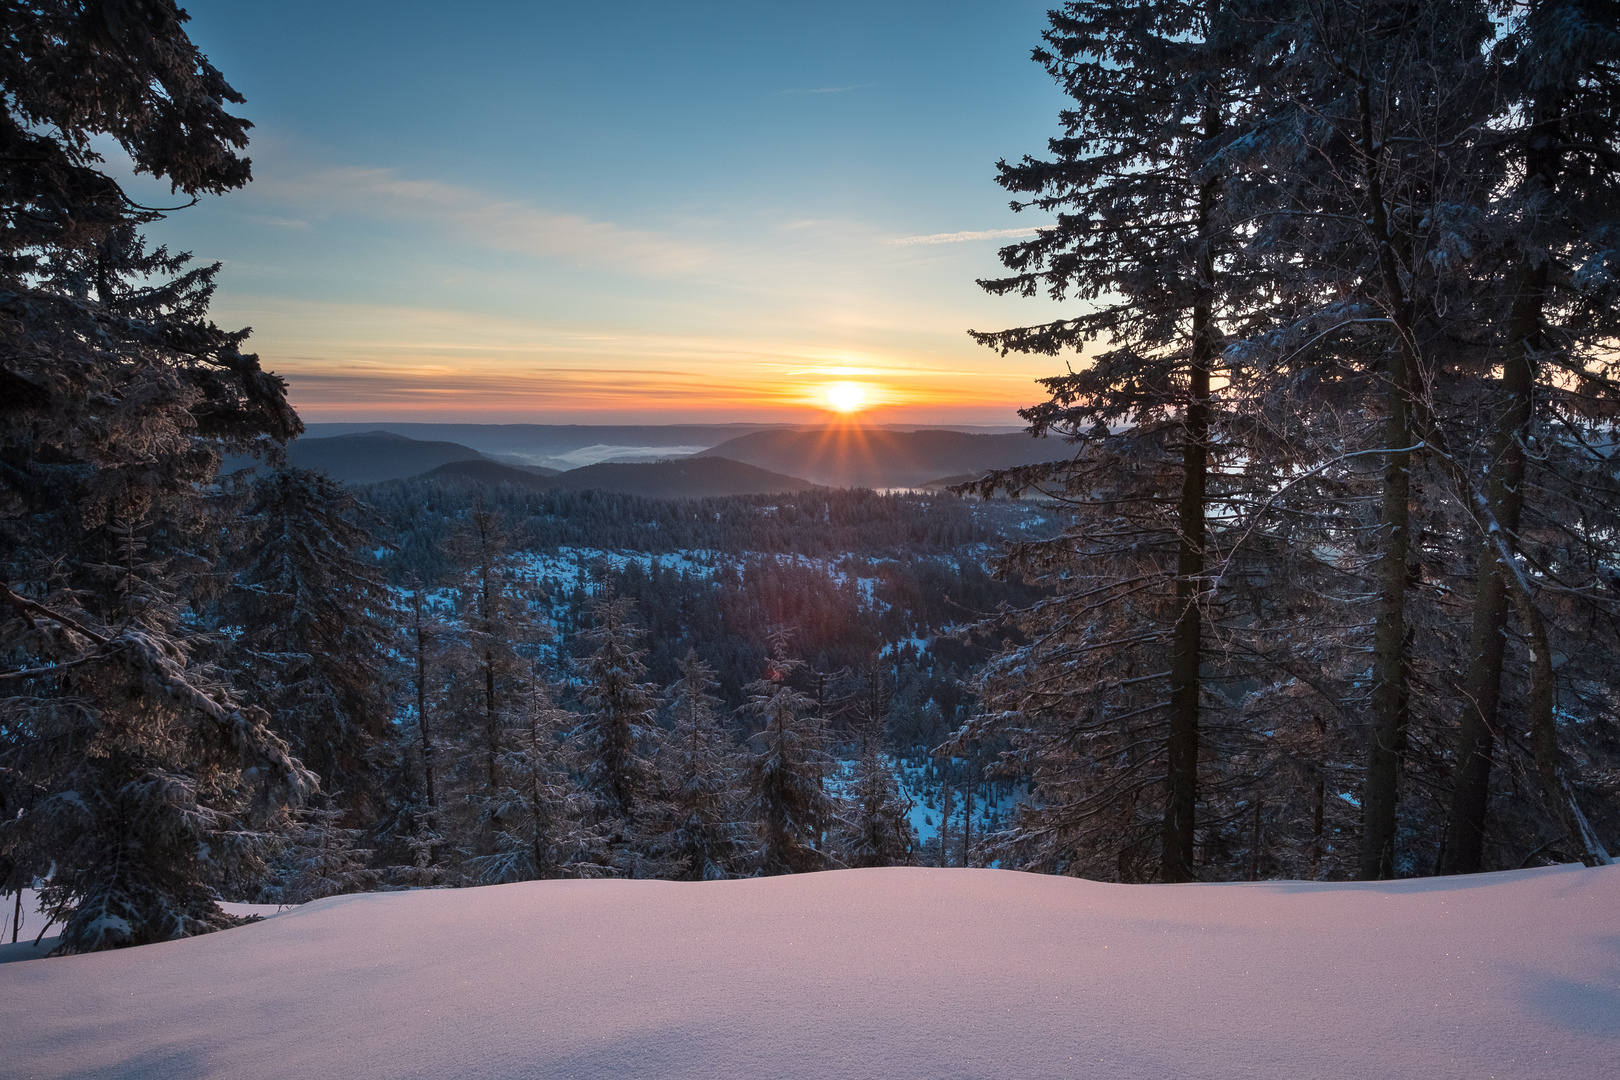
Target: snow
[(900, 973)]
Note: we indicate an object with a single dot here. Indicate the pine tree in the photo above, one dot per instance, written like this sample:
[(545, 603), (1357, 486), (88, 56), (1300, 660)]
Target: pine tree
[(617, 731), (876, 826), (321, 858), (495, 622), (1566, 94), (313, 626), (423, 630), (788, 801), (1376, 141), (1140, 187), (537, 812), (700, 771), (130, 771), (425, 843)]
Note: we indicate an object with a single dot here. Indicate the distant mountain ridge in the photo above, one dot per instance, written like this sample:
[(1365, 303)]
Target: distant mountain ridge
[(783, 459), (366, 457), (540, 444), (880, 458), (683, 478)]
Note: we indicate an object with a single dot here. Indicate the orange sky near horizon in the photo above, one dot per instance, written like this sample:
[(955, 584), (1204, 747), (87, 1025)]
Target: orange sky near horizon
[(356, 363)]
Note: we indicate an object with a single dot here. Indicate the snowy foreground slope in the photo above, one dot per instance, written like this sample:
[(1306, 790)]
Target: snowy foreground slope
[(903, 973)]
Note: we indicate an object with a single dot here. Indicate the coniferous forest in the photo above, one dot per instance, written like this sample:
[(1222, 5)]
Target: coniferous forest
[(1322, 581)]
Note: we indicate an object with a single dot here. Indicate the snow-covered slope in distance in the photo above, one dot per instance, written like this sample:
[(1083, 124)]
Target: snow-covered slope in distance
[(894, 974)]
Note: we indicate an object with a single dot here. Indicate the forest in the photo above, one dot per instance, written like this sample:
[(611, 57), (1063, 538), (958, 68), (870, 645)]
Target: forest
[(1322, 582)]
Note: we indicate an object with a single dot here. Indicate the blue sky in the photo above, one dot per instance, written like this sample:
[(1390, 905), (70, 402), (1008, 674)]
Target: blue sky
[(629, 212)]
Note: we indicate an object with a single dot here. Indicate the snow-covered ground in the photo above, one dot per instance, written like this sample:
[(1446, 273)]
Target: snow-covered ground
[(893, 974)]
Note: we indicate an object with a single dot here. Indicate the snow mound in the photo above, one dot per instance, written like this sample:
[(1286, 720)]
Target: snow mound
[(893, 974)]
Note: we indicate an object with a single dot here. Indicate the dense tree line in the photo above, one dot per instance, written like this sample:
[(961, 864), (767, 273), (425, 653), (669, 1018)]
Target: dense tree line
[(1340, 596), (821, 523)]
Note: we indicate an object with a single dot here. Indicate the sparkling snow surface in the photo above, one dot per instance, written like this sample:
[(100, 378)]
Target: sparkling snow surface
[(892, 974)]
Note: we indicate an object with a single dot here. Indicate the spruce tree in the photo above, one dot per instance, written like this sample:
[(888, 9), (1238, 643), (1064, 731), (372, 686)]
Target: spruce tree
[(313, 627), (617, 730), (1144, 239), (320, 858), (131, 772), (788, 801), (700, 771), (495, 621), (1563, 98), (875, 829), (537, 813)]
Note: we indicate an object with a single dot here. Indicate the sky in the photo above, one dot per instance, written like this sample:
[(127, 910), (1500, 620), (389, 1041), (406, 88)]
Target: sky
[(627, 212)]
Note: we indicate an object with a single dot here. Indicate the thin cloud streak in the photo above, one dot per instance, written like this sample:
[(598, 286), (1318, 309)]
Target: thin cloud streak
[(481, 219), (962, 237)]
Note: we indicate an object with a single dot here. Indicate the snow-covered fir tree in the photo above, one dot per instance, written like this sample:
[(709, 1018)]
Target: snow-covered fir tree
[(875, 828), (320, 858), (313, 626), (788, 800), (495, 624), (426, 847), (131, 772), (701, 770), (537, 814), (616, 731)]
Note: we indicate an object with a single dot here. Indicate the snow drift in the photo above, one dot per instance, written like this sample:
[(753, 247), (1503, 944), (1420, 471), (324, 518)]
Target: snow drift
[(895, 973)]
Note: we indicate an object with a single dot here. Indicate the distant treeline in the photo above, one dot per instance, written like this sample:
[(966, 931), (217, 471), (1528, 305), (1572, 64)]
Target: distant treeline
[(820, 523)]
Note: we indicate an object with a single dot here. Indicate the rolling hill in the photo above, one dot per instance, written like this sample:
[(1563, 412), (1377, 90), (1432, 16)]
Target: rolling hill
[(840, 456), (365, 457), (683, 478), (562, 446)]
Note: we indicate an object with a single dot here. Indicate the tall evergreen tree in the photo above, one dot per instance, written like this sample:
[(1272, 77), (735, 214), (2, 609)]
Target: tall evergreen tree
[(700, 771), (313, 625), (875, 829), (1563, 82), (495, 621), (1376, 163), (539, 810), (130, 771), (1138, 182), (320, 858), (617, 730), (789, 803)]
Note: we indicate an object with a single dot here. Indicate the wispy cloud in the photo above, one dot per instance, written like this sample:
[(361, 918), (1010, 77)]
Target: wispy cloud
[(483, 219), (826, 89), (279, 222), (960, 237)]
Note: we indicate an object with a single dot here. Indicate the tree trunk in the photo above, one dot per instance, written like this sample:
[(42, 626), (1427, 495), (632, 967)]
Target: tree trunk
[(1487, 640), (1186, 655), (1319, 797), (421, 702), (492, 728), (967, 819), (1389, 706), (1254, 853)]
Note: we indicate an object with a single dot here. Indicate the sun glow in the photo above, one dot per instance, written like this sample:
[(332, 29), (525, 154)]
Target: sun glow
[(846, 397)]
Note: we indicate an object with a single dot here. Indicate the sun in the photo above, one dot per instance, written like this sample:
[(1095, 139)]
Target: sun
[(846, 397)]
